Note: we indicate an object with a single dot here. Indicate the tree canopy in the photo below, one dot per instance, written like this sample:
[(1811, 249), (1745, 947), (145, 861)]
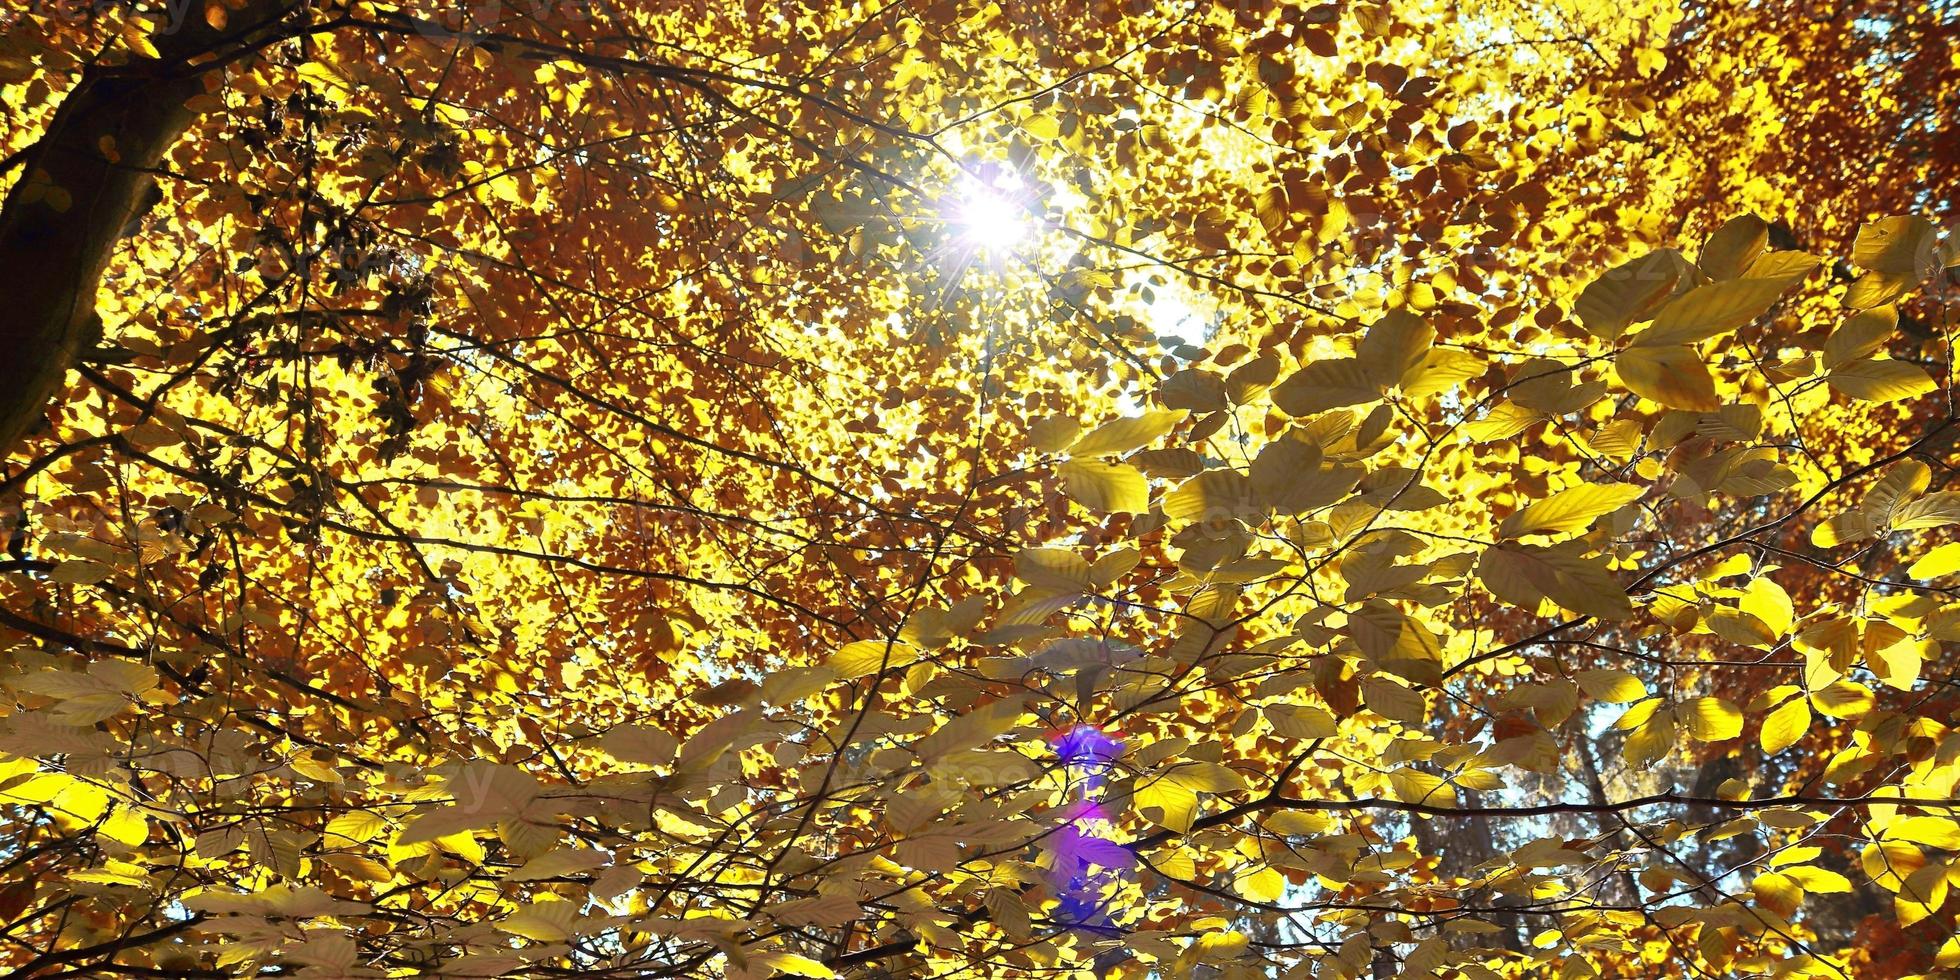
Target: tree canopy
[(722, 488)]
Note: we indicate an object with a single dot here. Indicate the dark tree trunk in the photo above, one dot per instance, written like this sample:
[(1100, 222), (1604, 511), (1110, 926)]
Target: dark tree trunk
[(79, 185)]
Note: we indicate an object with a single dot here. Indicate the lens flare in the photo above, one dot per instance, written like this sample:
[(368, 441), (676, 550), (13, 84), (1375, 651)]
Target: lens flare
[(988, 213), (1085, 865)]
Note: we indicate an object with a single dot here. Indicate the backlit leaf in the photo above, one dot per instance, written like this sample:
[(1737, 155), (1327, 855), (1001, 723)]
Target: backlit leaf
[(1710, 719), (1570, 510), (1784, 726), (1105, 487), (1125, 434), (1673, 376), (1880, 380)]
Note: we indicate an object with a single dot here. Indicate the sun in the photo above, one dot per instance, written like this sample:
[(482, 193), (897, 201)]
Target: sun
[(987, 213)]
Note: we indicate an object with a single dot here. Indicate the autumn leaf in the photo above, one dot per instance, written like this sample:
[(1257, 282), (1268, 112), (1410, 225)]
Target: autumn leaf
[(1711, 719), (1327, 384), (1880, 380), (1673, 376), (1630, 293), (1393, 346), (1108, 487), (1569, 510), (1900, 245), (1785, 725), (1729, 251), (1125, 434), (1169, 797), (1616, 686), (865, 657), (1525, 576), (1859, 336), (1711, 310)]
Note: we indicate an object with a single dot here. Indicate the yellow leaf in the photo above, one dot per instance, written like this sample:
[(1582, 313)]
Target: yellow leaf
[(1392, 700), (557, 863), (1115, 488), (1780, 265), (1733, 247), (1923, 892), (1901, 483), (1172, 793), (1893, 657), (1327, 384), (1777, 892), (1619, 439), (1740, 627), (1711, 310), (1843, 529), (1299, 721), (1504, 421), (1570, 510), (1629, 293), (1949, 954), (1052, 435), (1940, 832), (137, 40), (1770, 604), (1932, 510), (1875, 289), (1053, 568), (1890, 862), (1672, 376), (80, 571), (1844, 699), (1937, 563), (1651, 741), (358, 867), (1287, 477), (1814, 879), (1219, 946), (796, 963), (1612, 686), (1214, 497), (1785, 725), (864, 657), (1263, 885), (1860, 336), (315, 769), (545, 922), (1440, 370), (1392, 346), (125, 826), (353, 827), (786, 687), (1123, 435), (1710, 719), (1901, 245), (1880, 380), (1416, 786), (1524, 576)]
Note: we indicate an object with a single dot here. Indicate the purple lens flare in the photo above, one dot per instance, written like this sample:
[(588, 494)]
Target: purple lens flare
[(1085, 863)]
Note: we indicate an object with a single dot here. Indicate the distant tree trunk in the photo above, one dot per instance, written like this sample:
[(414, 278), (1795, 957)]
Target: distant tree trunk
[(79, 185), (1384, 965), (1460, 845), (1620, 886)]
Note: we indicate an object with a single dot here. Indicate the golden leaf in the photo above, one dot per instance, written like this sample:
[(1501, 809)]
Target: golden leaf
[(1673, 376)]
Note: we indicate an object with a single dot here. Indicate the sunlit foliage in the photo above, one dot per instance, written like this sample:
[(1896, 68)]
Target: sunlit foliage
[(671, 487)]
